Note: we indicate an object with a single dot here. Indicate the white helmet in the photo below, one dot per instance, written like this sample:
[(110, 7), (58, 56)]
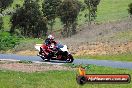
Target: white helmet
[(50, 37)]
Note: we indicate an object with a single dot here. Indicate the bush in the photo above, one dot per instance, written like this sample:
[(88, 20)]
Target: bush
[(7, 41)]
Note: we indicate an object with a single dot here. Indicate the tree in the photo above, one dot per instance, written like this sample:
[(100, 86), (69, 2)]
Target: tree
[(130, 9), (4, 4), (68, 12), (92, 7), (49, 8), (29, 19)]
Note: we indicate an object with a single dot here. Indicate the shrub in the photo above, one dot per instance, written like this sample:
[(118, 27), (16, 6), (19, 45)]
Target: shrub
[(7, 41)]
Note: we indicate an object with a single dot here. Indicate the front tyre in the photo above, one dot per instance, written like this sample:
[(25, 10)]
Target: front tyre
[(69, 59)]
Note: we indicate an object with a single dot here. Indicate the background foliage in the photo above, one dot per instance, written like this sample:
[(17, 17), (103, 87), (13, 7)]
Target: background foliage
[(68, 12), (7, 41), (49, 9), (29, 19)]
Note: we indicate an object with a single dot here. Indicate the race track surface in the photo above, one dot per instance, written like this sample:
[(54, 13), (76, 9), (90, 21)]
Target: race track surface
[(108, 63)]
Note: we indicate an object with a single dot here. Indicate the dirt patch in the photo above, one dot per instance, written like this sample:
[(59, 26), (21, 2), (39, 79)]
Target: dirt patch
[(103, 49), (34, 67)]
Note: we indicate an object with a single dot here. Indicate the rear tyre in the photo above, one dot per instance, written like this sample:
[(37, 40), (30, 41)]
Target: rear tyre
[(69, 59)]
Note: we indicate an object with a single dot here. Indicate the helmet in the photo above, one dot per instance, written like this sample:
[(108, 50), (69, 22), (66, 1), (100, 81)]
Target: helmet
[(51, 37)]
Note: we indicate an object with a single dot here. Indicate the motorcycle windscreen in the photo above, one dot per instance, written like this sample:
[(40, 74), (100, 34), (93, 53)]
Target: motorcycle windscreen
[(59, 45), (64, 48)]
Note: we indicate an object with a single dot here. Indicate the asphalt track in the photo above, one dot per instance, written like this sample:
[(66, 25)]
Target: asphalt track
[(108, 63)]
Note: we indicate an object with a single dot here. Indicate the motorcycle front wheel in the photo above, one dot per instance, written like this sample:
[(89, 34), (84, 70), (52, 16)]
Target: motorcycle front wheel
[(69, 59)]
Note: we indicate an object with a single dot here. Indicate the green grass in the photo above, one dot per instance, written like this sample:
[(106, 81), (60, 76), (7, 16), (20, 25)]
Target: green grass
[(119, 57), (25, 62), (108, 10), (57, 79), (112, 10)]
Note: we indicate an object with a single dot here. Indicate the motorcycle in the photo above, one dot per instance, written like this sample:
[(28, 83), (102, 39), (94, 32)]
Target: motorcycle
[(60, 52)]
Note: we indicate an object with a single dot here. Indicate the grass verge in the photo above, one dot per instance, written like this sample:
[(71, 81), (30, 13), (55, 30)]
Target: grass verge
[(25, 61), (57, 79)]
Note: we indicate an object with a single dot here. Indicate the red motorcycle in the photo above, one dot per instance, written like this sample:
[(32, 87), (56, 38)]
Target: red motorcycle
[(59, 52)]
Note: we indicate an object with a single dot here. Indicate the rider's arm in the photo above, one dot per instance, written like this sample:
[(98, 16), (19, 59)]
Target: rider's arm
[(54, 42)]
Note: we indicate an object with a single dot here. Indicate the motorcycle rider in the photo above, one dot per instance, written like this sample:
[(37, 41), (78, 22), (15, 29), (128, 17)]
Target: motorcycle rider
[(50, 40), (46, 46)]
